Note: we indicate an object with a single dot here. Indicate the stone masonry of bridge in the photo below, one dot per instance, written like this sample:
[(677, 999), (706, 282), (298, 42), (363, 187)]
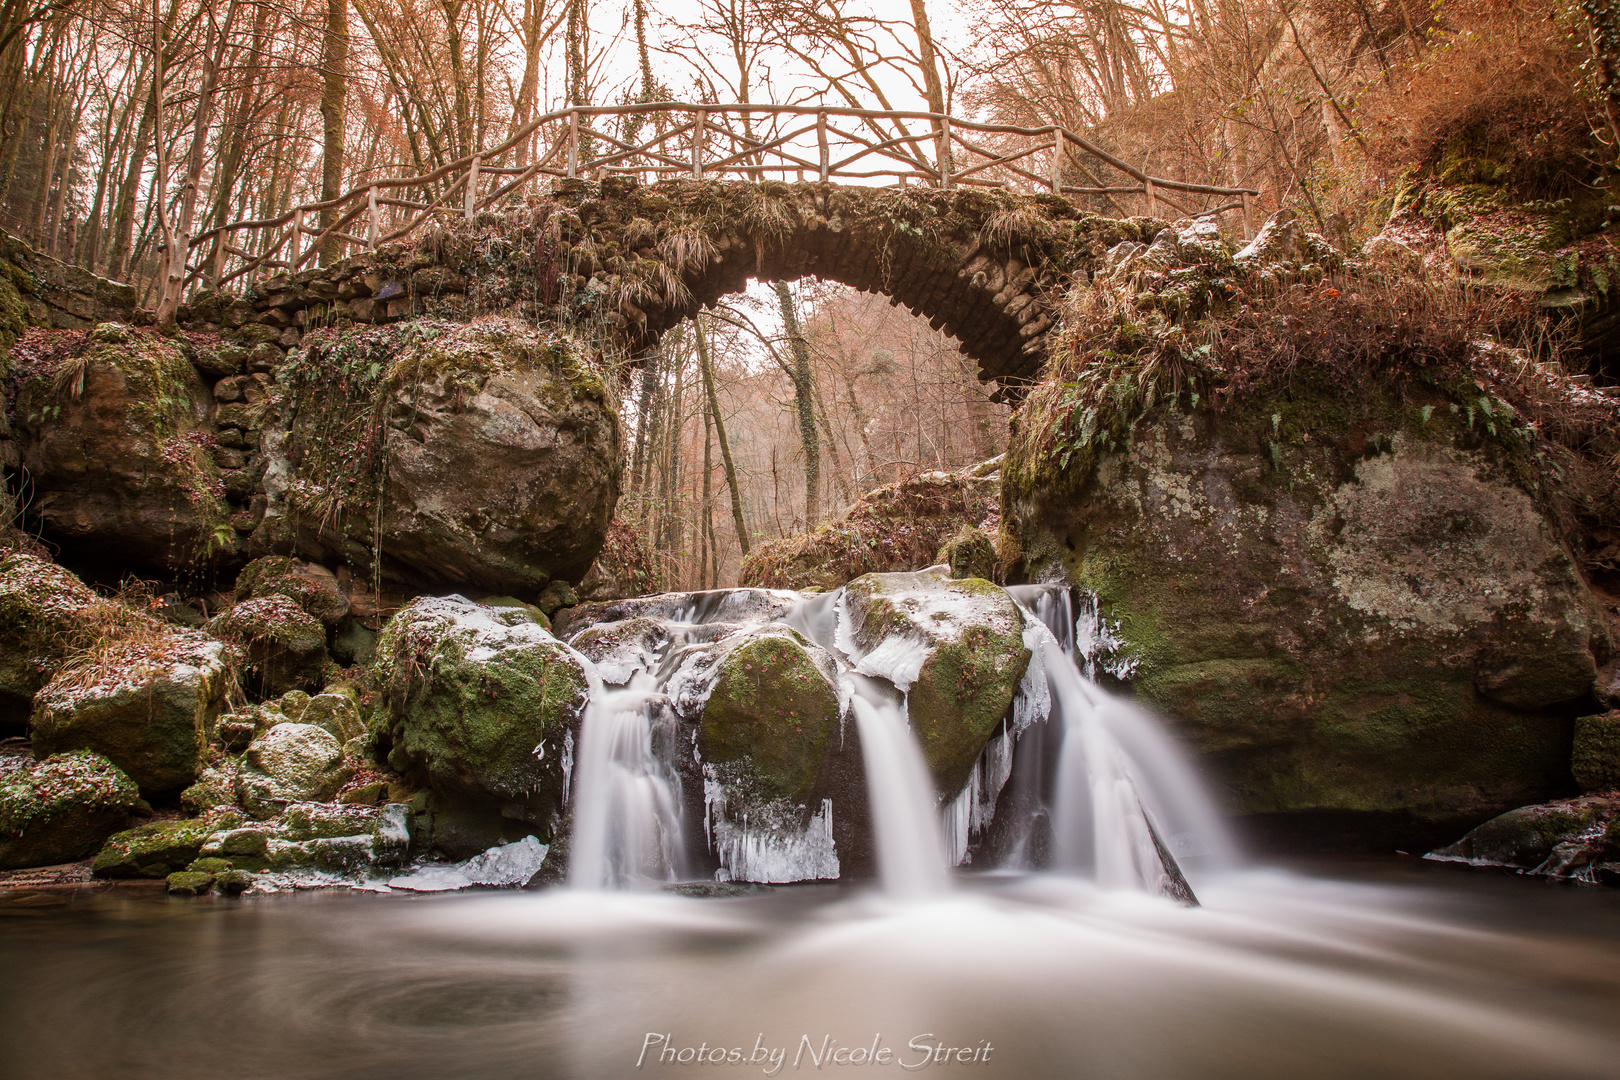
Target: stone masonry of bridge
[(988, 268)]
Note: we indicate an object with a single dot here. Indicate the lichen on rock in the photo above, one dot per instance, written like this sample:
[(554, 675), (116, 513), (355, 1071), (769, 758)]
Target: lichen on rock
[(481, 703), (290, 763), (61, 809), (483, 455), (955, 647)]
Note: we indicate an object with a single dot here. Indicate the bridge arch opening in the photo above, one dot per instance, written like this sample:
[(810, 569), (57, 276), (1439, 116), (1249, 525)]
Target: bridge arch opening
[(888, 398), (985, 268)]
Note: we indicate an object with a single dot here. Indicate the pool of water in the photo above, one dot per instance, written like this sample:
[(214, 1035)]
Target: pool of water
[(1352, 970)]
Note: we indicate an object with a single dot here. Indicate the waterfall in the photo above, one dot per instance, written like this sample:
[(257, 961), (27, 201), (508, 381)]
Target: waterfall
[(1125, 806), (910, 847), (627, 823), (1075, 778)]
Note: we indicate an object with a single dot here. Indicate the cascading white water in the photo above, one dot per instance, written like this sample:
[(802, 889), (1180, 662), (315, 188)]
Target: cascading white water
[(1120, 778), (627, 822), (911, 850), (1121, 801)]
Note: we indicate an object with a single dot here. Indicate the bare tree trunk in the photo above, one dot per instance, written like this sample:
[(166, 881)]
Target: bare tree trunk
[(730, 466), (804, 402), (706, 521), (646, 402), (335, 69)]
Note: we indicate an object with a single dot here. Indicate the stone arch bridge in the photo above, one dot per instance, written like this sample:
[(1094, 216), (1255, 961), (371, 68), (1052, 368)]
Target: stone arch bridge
[(988, 268)]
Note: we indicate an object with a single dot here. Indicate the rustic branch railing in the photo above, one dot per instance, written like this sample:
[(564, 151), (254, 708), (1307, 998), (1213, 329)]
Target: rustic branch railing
[(701, 141)]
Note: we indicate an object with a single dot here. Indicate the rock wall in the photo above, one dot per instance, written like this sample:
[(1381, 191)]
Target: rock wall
[(481, 456), (1355, 598)]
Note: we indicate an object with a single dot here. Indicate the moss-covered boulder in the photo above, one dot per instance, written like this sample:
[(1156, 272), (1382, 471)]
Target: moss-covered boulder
[(897, 527), (337, 714), (114, 429), (149, 706), (1577, 838), (774, 705), (154, 850), (313, 588), (39, 604), (485, 706), (496, 441), (955, 647), (1345, 601), (776, 777), (189, 882), (290, 763), (285, 646), (61, 809), (969, 553), (1596, 760)]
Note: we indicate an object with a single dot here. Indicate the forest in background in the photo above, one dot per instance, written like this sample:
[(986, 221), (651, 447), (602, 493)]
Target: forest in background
[(128, 128)]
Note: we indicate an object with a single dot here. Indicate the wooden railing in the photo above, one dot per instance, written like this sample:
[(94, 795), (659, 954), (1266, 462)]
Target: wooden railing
[(701, 141)]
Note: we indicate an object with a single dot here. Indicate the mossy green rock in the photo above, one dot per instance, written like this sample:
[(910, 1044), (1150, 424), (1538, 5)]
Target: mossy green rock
[(189, 882), (39, 603), (113, 430), (500, 445), (1596, 760), (1520, 254), (955, 646), (337, 714), (970, 553), (1530, 836), (311, 587), (151, 711), (285, 646), (290, 763), (773, 707), (154, 850), (483, 701), (61, 809), (1344, 602)]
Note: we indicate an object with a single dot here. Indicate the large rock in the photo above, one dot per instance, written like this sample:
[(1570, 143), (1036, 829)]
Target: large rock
[(1572, 838), (780, 787), (114, 431), (955, 647), (900, 526), (148, 706), (154, 850), (499, 447), (313, 588), (774, 706), (39, 604), (485, 705), (284, 645), (290, 763), (1347, 602), (61, 809)]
